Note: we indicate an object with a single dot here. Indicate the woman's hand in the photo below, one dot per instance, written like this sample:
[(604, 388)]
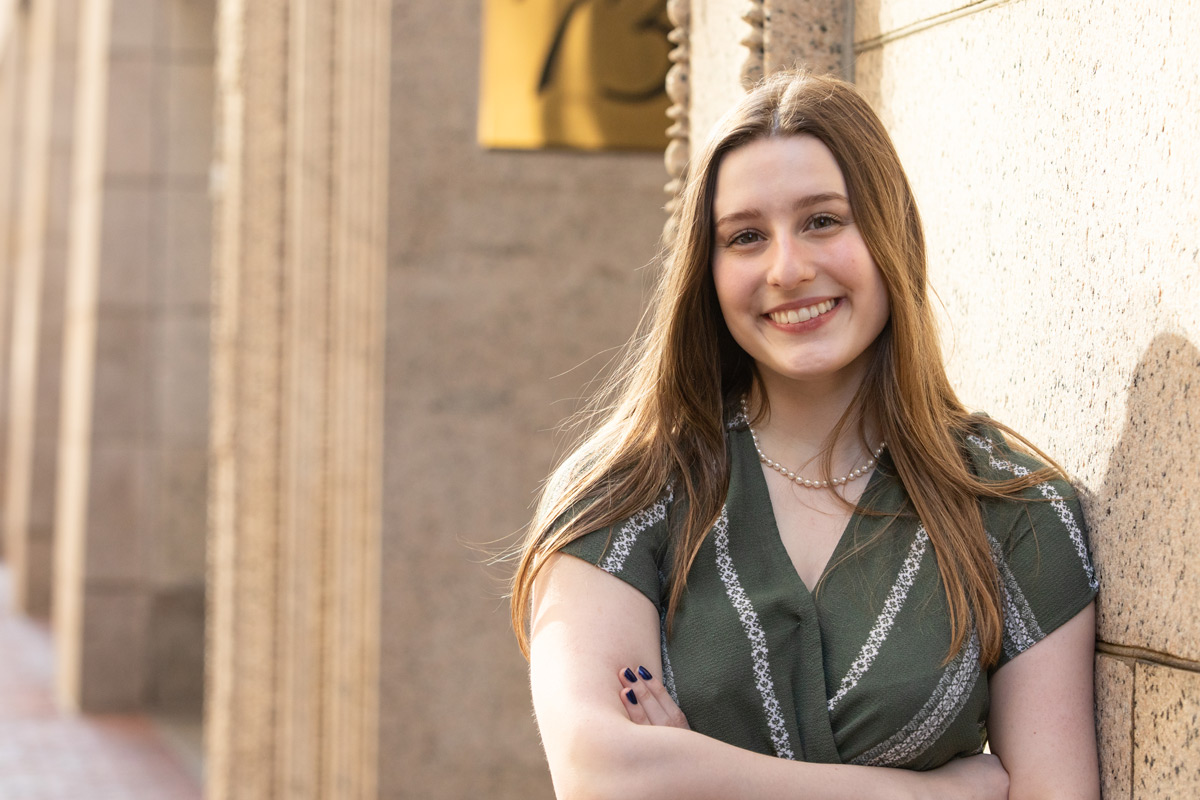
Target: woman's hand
[(647, 701), (980, 777)]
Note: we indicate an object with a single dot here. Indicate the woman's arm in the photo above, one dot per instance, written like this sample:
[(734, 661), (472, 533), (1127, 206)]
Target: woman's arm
[(1041, 722), (586, 627)]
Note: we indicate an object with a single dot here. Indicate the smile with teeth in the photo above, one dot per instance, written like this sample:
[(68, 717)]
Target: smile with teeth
[(794, 315)]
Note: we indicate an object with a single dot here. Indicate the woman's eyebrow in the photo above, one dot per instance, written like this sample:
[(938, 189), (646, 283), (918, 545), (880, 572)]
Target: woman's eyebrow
[(803, 202), (823, 197), (737, 216)]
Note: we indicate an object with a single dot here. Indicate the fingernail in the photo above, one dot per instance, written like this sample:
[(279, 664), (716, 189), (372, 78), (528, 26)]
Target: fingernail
[(645, 673), (629, 676), (630, 696)]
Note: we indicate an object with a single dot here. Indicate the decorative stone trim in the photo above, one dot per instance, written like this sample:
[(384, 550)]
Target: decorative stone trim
[(678, 89), (752, 68)]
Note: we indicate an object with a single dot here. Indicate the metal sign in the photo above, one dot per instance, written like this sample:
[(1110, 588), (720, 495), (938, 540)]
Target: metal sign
[(587, 74)]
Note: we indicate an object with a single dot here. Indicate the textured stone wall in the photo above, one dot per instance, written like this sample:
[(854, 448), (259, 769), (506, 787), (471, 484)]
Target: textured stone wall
[(297, 396), (1055, 154), (512, 275), (132, 451)]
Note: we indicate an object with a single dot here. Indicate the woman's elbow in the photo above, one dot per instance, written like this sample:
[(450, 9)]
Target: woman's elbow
[(600, 763)]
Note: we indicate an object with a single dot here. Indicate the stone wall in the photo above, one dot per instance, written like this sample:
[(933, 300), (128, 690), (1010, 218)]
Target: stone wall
[(1055, 154), (511, 276)]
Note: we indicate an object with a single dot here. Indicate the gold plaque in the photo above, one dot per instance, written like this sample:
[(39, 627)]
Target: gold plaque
[(587, 74)]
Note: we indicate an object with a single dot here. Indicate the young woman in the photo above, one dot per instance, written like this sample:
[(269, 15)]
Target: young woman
[(787, 562)]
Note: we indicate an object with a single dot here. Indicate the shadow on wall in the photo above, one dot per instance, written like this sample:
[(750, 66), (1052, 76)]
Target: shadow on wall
[(1144, 519)]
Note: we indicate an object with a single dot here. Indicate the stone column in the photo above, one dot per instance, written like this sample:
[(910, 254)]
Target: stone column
[(38, 290), (32, 222), (131, 501), (297, 428), (14, 24)]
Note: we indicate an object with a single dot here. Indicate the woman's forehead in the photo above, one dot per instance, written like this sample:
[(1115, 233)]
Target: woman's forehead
[(774, 170)]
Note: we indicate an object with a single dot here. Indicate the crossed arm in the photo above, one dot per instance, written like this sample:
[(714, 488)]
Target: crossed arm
[(588, 627)]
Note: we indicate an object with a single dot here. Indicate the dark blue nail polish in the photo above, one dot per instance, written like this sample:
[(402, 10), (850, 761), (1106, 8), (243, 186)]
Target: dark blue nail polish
[(645, 673), (629, 676), (631, 696)]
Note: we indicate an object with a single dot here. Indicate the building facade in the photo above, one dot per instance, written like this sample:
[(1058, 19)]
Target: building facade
[(283, 349)]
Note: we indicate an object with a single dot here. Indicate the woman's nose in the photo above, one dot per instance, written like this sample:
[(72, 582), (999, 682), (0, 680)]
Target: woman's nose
[(790, 264)]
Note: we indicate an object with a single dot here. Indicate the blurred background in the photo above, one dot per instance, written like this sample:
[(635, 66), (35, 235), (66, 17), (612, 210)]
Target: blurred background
[(294, 297)]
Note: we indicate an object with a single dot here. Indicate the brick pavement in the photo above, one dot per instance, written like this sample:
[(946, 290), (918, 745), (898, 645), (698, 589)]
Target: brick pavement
[(46, 754)]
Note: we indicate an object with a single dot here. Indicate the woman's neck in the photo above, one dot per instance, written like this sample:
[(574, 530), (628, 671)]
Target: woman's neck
[(801, 418)]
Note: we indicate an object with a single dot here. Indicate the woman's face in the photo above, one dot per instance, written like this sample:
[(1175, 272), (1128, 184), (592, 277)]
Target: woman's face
[(797, 287)]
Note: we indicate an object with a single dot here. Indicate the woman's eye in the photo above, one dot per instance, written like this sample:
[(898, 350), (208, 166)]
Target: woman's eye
[(744, 238), (824, 221)]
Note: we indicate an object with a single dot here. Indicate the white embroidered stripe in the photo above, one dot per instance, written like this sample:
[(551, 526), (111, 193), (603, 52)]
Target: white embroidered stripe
[(886, 618), (758, 638), (1056, 500), (622, 546), (935, 717), (668, 674), (1021, 628)]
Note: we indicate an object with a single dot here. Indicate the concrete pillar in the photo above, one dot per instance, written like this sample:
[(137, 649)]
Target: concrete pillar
[(38, 284), (14, 24), (297, 420), (131, 501)]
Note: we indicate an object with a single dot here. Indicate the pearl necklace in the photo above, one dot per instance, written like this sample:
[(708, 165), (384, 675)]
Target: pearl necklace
[(854, 474)]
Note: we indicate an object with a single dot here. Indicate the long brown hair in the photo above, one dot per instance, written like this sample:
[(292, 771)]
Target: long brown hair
[(660, 421)]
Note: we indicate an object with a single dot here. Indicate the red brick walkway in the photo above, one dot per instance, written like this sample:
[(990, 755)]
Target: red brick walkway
[(46, 754)]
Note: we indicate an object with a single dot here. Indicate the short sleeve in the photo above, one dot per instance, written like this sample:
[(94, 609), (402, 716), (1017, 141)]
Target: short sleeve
[(1039, 545), (632, 550)]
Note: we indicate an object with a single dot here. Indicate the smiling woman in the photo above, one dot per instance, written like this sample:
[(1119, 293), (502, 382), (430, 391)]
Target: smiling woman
[(714, 604), (797, 286)]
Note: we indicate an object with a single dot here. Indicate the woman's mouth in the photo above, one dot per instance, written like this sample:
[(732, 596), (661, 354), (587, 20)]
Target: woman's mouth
[(794, 315)]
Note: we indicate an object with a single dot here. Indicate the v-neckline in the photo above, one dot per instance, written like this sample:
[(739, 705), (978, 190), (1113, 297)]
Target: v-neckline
[(762, 494)]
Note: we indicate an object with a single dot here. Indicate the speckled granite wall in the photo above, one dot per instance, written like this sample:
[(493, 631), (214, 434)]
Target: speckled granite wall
[(1055, 152)]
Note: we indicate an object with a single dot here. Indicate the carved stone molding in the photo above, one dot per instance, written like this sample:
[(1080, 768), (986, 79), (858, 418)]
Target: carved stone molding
[(752, 69), (678, 89)]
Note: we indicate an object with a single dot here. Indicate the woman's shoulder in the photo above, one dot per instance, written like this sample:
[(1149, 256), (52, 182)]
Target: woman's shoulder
[(1047, 509), (633, 547), (994, 458), (1037, 536)]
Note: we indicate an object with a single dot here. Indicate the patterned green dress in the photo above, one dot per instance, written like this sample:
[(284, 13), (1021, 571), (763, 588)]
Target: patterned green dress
[(853, 674)]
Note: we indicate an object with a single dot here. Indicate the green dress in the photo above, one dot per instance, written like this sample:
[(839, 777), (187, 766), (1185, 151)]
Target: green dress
[(853, 674)]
